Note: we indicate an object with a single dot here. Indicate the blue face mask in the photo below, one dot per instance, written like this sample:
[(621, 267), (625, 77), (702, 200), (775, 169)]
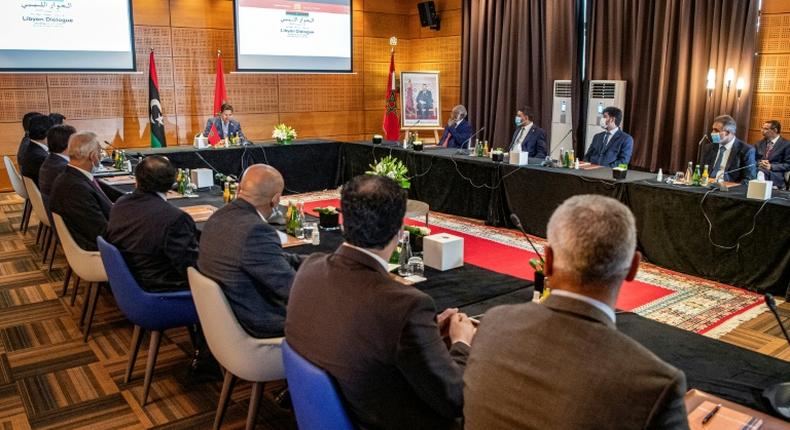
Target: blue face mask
[(715, 138), (519, 121)]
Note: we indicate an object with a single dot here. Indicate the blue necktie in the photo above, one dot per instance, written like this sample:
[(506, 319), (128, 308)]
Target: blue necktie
[(717, 164), (605, 142)]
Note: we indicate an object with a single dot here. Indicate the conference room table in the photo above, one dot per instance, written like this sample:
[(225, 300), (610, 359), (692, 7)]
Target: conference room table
[(720, 236), (721, 369)]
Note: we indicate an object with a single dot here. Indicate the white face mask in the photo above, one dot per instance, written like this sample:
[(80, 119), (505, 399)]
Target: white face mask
[(603, 123)]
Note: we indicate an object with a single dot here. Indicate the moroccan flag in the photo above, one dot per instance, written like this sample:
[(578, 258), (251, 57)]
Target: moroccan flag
[(220, 93), (213, 135), (155, 107), (391, 121)]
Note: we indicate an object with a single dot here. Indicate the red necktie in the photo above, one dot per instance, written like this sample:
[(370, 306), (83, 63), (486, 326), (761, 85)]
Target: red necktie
[(446, 140)]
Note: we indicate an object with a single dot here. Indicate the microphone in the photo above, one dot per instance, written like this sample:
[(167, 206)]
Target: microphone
[(465, 151), (771, 303), (721, 175), (549, 162), (699, 147), (517, 222)]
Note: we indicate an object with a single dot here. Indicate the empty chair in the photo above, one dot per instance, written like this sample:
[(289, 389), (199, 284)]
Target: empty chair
[(19, 189), (154, 312), (316, 402), (242, 356), (49, 237), (87, 266)]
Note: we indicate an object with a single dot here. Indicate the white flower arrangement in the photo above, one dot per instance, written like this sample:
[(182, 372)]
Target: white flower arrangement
[(283, 132)]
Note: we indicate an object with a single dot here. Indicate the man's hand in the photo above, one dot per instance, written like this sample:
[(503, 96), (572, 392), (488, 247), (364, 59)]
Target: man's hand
[(461, 329), (765, 164), (443, 320)]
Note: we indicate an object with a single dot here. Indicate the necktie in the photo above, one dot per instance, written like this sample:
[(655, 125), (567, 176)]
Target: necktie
[(96, 185), (605, 142), (446, 140), (770, 148), (717, 164), (516, 146)]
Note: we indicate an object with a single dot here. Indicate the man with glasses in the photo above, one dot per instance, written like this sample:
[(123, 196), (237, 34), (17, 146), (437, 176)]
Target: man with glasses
[(773, 153)]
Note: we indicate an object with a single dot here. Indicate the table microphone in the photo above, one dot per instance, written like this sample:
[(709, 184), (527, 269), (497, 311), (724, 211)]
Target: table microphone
[(771, 303), (465, 151), (721, 186), (549, 162), (517, 222)]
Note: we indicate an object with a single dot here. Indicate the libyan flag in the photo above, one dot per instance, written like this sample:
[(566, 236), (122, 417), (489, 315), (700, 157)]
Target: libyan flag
[(155, 107)]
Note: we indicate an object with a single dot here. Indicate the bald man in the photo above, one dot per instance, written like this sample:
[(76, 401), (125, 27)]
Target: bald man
[(244, 255)]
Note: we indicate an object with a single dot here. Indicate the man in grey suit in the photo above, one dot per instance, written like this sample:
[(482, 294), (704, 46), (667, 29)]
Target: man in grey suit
[(562, 364), (244, 254)]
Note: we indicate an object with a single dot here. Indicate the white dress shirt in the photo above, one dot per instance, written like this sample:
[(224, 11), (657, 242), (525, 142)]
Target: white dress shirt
[(87, 174), (282, 236), (724, 158), (64, 156), (522, 135), (45, 147), (603, 307)]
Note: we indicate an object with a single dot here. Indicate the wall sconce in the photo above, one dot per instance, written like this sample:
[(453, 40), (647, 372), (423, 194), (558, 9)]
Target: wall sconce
[(739, 86), (728, 78), (711, 81)]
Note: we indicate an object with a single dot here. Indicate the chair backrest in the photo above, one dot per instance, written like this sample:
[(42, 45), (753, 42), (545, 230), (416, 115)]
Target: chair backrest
[(248, 358), (86, 264), (15, 177), (316, 402), (36, 201)]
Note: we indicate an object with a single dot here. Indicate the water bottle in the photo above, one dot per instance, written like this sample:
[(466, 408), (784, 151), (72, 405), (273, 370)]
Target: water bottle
[(299, 230), (405, 254)]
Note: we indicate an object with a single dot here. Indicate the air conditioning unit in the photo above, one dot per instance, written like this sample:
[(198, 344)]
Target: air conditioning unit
[(602, 95), (561, 124)]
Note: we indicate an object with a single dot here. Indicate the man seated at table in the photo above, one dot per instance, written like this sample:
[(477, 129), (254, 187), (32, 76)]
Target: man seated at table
[(528, 137), (244, 254), (224, 125), (613, 146), (379, 339), (773, 153), (26, 137), (458, 130), (729, 158), (76, 195), (562, 364), (36, 152), (157, 240), (57, 160)]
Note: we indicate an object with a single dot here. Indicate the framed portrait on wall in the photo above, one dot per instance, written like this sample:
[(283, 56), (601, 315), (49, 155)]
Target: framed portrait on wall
[(419, 99)]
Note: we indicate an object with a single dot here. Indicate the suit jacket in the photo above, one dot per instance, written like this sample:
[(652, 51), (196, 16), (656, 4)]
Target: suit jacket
[(378, 339), (243, 254), (50, 169), (84, 209), (741, 154), (31, 160), (780, 159), (234, 127), (563, 365), (618, 149), (459, 134), (157, 240), (534, 143), (22, 147)]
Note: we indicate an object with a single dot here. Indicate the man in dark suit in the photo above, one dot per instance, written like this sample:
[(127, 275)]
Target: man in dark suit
[(244, 254), (424, 101), (76, 195), (157, 240), (458, 130), (26, 137), (36, 152), (773, 153), (226, 126), (528, 137), (613, 146), (379, 339), (562, 364), (57, 160), (728, 153)]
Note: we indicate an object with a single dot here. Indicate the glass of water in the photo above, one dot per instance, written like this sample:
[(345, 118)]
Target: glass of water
[(416, 266), (307, 230)]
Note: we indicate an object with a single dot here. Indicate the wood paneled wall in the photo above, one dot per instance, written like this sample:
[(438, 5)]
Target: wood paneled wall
[(772, 71), (185, 35)]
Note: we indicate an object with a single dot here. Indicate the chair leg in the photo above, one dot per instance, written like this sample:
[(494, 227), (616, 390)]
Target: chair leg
[(54, 251), (74, 292), (134, 348), (153, 351), (91, 311), (224, 398), (50, 233), (66, 280), (38, 235), (25, 217), (85, 303), (255, 400)]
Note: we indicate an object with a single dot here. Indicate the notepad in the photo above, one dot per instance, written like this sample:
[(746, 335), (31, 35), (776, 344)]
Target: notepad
[(725, 419), (199, 213)]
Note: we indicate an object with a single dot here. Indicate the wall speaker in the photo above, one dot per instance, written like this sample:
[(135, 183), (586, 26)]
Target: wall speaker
[(428, 15)]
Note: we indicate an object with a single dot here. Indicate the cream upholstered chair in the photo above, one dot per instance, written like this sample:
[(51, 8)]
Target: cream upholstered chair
[(87, 266), (415, 208), (19, 188), (49, 237), (242, 356)]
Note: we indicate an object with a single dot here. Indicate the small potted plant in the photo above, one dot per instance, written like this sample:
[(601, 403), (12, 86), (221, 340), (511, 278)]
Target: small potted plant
[(497, 156), (284, 134), (328, 218), (540, 277), (620, 171), (392, 168), (415, 236)]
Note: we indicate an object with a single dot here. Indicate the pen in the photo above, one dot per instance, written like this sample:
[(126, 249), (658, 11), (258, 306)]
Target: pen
[(711, 414)]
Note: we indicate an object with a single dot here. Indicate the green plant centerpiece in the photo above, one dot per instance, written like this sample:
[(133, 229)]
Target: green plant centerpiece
[(392, 168), (415, 236), (540, 276), (284, 134), (328, 218)]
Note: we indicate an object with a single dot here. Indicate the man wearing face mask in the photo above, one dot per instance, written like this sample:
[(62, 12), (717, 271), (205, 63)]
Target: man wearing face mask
[(729, 157), (773, 153), (613, 146), (76, 195), (244, 254), (458, 130), (528, 136)]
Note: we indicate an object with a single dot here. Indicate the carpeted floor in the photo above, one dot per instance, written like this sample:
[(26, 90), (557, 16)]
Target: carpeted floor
[(49, 378)]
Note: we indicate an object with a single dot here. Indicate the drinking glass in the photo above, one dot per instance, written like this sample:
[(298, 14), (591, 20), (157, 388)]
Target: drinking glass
[(417, 266)]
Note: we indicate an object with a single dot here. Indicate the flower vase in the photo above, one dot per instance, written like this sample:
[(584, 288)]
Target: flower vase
[(329, 221), (540, 281), (284, 141), (415, 241)]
